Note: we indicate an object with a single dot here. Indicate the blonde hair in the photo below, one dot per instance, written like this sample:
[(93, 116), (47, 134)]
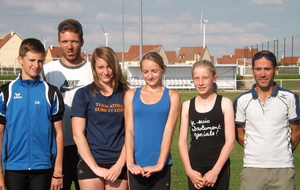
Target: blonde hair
[(210, 67)]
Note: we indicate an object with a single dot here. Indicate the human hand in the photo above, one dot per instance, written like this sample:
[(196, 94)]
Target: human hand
[(101, 172), (210, 178), (149, 170), (135, 169), (2, 183), (56, 184), (196, 178), (113, 173)]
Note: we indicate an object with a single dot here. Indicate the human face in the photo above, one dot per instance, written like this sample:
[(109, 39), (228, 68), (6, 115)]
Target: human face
[(152, 73), (70, 45), (264, 72), (32, 64), (203, 80), (104, 71)]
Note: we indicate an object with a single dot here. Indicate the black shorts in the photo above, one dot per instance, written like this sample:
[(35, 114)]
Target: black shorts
[(28, 179), (85, 172), (158, 181)]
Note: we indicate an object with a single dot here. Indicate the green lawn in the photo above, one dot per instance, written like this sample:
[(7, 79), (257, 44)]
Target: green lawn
[(179, 179)]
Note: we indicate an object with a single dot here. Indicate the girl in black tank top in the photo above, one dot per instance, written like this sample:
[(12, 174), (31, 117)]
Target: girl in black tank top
[(207, 134), (209, 119)]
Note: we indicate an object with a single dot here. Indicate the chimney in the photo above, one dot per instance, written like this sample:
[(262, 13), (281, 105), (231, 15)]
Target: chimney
[(11, 33)]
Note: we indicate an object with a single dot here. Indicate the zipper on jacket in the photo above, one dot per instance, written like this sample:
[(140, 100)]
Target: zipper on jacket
[(29, 131)]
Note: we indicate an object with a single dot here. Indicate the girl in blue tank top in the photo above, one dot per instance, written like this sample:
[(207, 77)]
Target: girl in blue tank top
[(209, 118), (151, 114)]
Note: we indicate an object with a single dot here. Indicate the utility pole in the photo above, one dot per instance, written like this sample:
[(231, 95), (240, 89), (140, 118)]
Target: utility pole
[(141, 30)]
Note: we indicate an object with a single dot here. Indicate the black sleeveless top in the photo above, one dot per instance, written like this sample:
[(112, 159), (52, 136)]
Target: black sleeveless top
[(207, 134)]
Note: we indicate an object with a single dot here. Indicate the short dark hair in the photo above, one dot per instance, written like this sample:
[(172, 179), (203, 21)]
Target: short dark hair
[(70, 25), (31, 44), (267, 54)]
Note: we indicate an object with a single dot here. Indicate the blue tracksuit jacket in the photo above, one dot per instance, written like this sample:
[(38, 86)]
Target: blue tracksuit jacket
[(28, 109)]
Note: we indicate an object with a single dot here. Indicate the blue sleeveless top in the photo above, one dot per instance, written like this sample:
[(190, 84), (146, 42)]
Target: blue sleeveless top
[(149, 125)]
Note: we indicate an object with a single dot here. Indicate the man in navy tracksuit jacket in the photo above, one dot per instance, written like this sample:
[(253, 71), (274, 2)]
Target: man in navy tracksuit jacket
[(31, 113)]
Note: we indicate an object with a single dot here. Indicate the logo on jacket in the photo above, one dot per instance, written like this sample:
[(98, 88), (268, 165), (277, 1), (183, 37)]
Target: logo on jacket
[(283, 96), (17, 96), (69, 85)]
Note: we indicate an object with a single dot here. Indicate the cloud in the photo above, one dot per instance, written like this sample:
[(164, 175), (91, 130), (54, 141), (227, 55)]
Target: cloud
[(58, 7), (226, 33), (48, 7), (2, 25), (108, 17), (266, 2)]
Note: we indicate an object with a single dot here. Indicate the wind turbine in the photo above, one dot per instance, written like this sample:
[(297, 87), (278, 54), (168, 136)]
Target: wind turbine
[(44, 42), (106, 34), (202, 28)]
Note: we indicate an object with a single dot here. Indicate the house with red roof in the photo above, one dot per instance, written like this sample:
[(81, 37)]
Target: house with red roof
[(9, 50), (186, 55), (290, 61), (171, 55), (240, 57), (189, 55), (132, 56), (54, 53)]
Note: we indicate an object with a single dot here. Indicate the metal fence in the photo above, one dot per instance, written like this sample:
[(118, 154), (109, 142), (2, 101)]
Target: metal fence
[(290, 84), (283, 70), (282, 48), (9, 70)]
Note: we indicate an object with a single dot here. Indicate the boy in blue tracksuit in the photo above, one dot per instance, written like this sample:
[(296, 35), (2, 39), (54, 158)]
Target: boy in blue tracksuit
[(31, 135)]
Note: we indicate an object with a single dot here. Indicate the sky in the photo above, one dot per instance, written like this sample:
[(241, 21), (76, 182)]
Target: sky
[(171, 23)]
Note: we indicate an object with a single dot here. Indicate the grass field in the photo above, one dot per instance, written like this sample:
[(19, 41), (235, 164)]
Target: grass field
[(179, 179)]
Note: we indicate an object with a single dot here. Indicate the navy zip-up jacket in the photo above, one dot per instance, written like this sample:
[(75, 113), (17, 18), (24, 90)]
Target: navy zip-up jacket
[(28, 109)]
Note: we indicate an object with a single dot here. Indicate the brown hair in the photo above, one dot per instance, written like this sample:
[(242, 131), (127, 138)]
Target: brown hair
[(153, 56), (70, 25), (109, 56), (209, 66), (31, 44)]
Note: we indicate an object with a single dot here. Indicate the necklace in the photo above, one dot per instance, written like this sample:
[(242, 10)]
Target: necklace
[(209, 99)]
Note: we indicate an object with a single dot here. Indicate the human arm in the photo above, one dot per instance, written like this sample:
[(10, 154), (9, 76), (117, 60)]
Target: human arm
[(2, 129), (78, 128), (240, 117), (211, 176), (240, 133), (295, 138), (195, 176), (114, 172), (129, 134), (167, 135), (2, 183), (57, 183)]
